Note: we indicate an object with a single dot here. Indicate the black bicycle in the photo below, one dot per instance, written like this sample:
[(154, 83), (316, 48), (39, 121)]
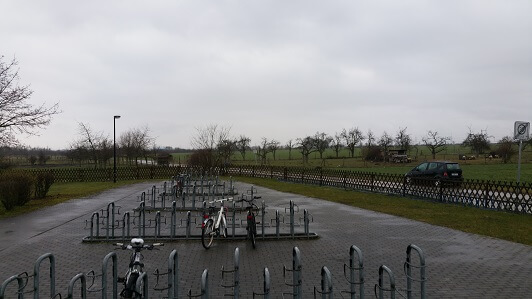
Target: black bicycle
[(133, 288), (251, 221)]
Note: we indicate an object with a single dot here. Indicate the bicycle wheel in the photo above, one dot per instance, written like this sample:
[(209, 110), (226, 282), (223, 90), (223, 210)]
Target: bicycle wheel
[(130, 284), (139, 293), (207, 234)]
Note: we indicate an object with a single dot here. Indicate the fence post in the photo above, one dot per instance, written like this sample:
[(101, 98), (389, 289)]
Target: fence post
[(36, 274), (486, 195)]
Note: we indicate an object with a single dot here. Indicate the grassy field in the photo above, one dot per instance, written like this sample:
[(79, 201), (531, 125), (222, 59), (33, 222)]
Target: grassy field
[(479, 169), (502, 225), (60, 192)]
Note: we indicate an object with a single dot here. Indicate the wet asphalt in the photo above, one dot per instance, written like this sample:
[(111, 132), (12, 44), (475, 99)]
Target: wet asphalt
[(458, 264)]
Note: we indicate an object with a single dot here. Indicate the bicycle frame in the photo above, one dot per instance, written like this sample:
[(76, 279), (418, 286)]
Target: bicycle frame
[(135, 268), (214, 225), (220, 219)]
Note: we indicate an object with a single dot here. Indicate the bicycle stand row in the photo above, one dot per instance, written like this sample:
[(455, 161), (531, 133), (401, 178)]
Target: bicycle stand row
[(85, 283), (174, 222)]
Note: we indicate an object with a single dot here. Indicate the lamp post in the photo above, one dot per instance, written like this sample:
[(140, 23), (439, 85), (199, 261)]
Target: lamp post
[(114, 147)]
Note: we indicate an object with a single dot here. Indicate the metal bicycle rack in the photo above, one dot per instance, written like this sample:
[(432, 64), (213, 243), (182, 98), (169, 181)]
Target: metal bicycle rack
[(180, 219), (85, 282)]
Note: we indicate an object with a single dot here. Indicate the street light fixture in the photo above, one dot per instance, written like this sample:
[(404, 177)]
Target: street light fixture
[(114, 147)]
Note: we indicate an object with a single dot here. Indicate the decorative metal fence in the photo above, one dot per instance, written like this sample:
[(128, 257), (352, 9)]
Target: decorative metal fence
[(505, 196), (496, 195)]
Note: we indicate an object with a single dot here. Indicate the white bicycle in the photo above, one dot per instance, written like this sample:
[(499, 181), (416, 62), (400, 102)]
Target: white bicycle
[(214, 225)]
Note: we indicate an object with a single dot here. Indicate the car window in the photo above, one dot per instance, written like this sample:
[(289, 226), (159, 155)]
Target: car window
[(433, 166), (422, 167), (453, 166)]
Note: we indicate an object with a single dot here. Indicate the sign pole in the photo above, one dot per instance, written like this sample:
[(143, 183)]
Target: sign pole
[(521, 132), (519, 162)]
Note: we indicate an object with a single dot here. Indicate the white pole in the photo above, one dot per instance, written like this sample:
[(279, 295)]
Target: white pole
[(519, 162)]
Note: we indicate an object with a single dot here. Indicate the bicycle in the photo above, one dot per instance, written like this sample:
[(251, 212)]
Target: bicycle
[(214, 226), (251, 222), (132, 287)]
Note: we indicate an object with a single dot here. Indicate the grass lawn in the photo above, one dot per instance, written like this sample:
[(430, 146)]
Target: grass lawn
[(501, 225), (60, 192)]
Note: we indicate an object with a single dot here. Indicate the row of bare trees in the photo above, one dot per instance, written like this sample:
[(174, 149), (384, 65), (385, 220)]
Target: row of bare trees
[(214, 145), (97, 148)]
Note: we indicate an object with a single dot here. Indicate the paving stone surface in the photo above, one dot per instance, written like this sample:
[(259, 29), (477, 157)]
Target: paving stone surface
[(458, 264)]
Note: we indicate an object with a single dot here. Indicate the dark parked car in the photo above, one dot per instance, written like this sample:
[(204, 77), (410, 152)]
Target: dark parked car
[(435, 173)]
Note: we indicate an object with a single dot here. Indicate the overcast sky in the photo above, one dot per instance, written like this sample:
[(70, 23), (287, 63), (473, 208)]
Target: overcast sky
[(275, 69)]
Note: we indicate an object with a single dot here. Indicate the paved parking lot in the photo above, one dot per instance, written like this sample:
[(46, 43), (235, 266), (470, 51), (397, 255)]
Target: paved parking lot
[(459, 265)]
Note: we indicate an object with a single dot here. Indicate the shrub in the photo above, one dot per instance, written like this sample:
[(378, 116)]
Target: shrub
[(43, 183), (15, 189)]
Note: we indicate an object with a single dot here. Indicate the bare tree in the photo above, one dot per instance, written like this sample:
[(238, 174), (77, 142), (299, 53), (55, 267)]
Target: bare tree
[(321, 142), (242, 145), (94, 143), (205, 144), (336, 143), (210, 136), (306, 146), (274, 146), (479, 142), (16, 114), (263, 149), (352, 138), (225, 150), (135, 144), (371, 139), (435, 143), (506, 149), (385, 142), (403, 140), (289, 146)]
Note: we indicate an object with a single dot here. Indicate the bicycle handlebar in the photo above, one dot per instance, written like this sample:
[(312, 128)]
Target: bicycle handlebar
[(249, 200), (130, 247), (222, 200)]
